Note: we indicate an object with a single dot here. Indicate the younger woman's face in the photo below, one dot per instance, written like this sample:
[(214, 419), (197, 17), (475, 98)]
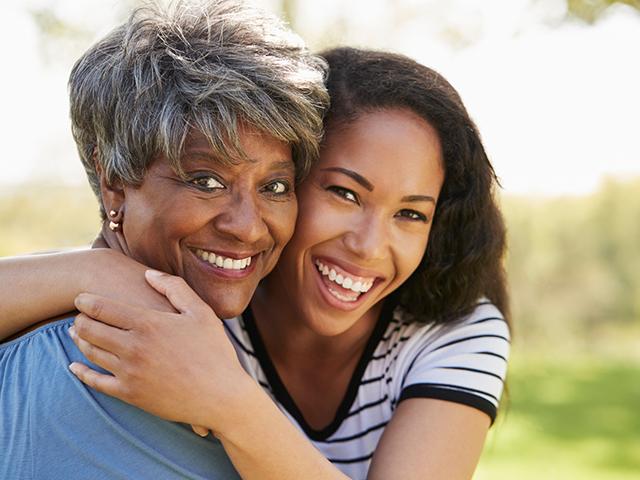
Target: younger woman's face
[(365, 213)]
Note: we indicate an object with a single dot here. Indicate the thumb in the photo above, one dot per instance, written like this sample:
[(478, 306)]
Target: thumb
[(202, 431), (181, 296)]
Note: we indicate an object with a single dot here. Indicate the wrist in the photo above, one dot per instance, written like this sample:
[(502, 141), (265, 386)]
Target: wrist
[(239, 410)]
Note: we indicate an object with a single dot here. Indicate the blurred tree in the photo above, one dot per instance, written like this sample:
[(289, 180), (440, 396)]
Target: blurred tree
[(591, 10), (574, 264)]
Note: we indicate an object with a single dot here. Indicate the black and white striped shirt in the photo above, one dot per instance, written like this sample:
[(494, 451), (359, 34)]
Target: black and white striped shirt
[(463, 362)]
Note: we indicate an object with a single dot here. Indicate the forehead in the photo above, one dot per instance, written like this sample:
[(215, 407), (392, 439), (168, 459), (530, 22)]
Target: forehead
[(394, 148), (253, 148)]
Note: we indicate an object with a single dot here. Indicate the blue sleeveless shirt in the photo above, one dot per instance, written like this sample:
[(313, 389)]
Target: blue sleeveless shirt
[(52, 426)]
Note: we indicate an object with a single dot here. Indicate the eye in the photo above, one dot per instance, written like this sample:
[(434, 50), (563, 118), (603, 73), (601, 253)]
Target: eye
[(412, 215), (278, 187), (345, 193), (206, 183)]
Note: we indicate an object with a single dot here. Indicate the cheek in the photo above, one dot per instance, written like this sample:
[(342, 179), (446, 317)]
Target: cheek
[(315, 225), (281, 221), (410, 257)]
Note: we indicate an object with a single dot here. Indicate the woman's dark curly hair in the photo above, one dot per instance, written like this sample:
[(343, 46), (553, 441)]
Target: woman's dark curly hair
[(464, 258)]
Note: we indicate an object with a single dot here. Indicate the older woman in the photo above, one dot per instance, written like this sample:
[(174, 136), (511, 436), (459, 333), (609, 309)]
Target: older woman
[(193, 126)]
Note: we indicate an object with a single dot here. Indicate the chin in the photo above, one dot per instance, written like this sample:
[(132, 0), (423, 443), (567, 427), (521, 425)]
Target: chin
[(226, 303), (331, 326)]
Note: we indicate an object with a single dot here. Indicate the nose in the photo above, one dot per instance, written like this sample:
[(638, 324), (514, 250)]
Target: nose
[(368, 239), (242, 219)]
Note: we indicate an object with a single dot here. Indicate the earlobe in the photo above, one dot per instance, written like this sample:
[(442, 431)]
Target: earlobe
[(113, 196)]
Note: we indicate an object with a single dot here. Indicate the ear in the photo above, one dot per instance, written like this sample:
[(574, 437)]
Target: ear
[(112, 193)]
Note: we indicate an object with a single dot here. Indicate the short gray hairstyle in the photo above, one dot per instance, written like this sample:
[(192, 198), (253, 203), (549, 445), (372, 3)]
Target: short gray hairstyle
[(209, 66)]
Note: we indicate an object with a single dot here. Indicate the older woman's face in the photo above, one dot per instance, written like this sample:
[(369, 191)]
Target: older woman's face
[(223, 228)]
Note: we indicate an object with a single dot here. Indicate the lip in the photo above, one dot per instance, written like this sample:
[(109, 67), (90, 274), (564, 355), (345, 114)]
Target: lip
[(227, 274), (354, 271)]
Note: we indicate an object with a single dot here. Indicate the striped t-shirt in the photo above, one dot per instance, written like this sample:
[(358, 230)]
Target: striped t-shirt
[(463, 361)]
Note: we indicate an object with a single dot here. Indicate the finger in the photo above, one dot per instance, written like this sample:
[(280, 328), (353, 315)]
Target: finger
[(98, 381), (181, 296), (202, 431), (94, 354), (109, 311), (111, 339)]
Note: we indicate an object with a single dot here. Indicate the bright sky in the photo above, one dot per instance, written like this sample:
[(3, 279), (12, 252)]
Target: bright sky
[(557, 102)]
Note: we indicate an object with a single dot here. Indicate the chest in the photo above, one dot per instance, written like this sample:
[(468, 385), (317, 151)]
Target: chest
[(318, 390)]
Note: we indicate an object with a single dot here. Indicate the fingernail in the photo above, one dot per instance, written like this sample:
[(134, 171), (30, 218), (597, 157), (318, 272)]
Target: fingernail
[(80, 300), (72, 332), (154, 273), (74, 368)]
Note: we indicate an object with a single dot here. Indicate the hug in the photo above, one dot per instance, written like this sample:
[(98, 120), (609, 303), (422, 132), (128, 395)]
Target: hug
[(301, 257)]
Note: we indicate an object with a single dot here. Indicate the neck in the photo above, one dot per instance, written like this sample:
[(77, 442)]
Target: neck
[(107, 238), (288, 337)]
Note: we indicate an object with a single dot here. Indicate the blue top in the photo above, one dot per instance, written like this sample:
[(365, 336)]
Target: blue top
[(54, 426)]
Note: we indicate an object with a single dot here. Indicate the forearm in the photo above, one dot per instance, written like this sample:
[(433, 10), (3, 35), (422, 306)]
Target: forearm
[(263, 444), (38, 287)]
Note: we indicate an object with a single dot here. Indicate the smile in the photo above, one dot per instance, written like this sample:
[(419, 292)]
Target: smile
[(223, 262), (351, 287)]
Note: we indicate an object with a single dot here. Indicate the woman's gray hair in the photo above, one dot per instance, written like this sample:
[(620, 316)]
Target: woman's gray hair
[(210, 67)]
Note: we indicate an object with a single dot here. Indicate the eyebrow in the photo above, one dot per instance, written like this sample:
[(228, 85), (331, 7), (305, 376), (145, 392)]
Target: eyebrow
[(283, 164), (419, 198), (350, 173)]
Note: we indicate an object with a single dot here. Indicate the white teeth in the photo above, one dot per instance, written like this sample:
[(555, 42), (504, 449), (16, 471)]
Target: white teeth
[(342, 297), (223, 262), (358, 286)]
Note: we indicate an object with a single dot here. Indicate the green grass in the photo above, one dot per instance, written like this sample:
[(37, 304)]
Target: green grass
[(567, 419)]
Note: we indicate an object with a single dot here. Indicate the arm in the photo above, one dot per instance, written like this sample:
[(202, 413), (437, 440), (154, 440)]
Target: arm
[(203, 385), (429, 438), (38, 287), (206, 385)]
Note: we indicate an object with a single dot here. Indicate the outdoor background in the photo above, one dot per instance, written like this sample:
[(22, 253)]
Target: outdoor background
[(554, 86)]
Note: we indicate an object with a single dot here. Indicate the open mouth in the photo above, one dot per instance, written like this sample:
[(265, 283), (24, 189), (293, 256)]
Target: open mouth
[(343, 286)]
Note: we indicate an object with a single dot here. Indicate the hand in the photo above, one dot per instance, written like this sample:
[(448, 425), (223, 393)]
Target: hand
[(198, 430), (179, 366)]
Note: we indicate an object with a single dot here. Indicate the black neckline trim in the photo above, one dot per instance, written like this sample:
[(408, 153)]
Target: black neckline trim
[(282, 395)]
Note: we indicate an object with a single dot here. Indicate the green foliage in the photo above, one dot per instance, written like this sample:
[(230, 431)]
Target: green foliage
[(591, 10), (55, 218), (574, 264)]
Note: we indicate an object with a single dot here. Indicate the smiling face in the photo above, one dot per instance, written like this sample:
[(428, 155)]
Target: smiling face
[(365, 213), (223, 228)]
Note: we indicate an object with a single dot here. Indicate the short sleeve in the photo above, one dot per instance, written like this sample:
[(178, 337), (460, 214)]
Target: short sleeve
[(465, 362)]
